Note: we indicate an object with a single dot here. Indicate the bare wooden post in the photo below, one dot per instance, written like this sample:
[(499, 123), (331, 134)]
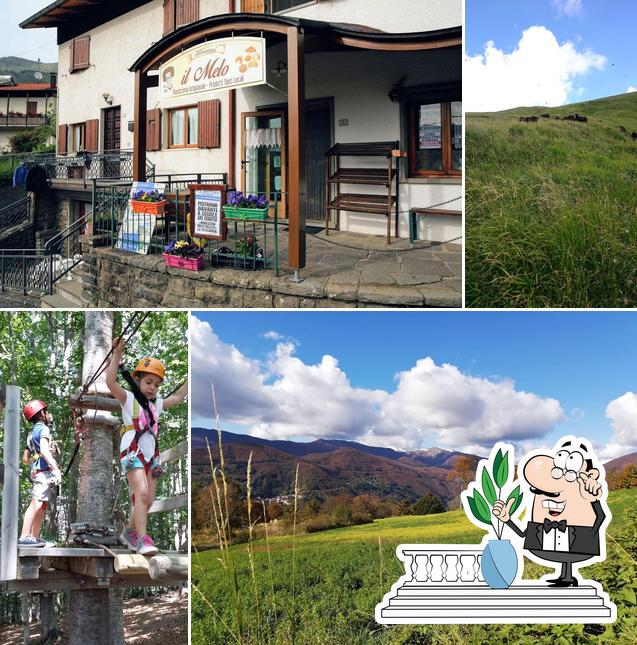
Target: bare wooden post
[(139, 127), (296, 142), (11, 487)]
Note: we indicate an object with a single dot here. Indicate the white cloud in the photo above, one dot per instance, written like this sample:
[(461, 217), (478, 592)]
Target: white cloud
[(622, 413), (272, 335), (539, 71), (631, 88), (568, 7), (431, 404)]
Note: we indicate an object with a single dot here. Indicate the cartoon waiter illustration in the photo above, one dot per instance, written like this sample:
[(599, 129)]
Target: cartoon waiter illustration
[(569, 514)]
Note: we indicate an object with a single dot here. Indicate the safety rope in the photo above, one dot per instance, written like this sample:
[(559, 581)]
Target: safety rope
[(104, 364)]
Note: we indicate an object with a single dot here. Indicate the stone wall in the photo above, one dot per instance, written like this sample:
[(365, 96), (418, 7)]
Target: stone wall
[(116, 279)]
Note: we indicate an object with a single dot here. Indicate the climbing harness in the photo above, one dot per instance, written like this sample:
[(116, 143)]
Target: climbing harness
[(133, 451)]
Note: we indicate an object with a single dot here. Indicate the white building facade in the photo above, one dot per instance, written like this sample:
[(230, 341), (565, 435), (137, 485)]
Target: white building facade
[(392, 91)]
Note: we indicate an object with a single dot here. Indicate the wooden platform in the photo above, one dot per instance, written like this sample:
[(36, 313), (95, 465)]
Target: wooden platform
[(65, 568)]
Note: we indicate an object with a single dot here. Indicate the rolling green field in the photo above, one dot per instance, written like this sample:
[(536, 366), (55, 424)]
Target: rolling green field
[(327, 591), (551, 207)]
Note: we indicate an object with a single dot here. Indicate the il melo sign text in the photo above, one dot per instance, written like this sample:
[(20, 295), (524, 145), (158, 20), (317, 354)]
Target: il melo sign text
[(215, 65)]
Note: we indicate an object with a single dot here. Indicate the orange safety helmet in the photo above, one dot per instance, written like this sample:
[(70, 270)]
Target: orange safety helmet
[(151, 366), (33, 407)]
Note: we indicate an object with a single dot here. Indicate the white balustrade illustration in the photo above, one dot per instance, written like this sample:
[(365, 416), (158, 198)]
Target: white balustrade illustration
[(443, 584)]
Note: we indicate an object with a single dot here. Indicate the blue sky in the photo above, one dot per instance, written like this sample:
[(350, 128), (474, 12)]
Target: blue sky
[(529, 377), (595, 29)]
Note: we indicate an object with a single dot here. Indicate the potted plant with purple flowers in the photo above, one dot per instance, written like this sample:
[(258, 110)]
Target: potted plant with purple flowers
[(183, 255), (151, 202), (245, 206)]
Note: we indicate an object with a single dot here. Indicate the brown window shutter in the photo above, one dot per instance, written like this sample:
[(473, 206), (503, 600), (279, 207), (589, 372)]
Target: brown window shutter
[(153, 130), (62, 137), (252, 6), (92, 135), (209, 135), (187, 11), (80, 53), (169, 16)]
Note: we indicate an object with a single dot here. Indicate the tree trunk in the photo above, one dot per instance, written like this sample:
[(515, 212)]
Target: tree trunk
[(92, 620)]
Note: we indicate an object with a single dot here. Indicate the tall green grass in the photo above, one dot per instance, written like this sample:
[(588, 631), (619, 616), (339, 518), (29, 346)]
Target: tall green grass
[(340, 576), (551, 208)]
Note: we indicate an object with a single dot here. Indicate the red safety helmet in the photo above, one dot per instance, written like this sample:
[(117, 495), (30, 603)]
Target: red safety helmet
[(33, 407)]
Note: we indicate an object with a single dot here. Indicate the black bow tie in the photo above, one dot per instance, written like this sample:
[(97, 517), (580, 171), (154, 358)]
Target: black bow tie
[(549, 526)]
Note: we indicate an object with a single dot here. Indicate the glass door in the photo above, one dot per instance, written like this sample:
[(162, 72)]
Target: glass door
[(263, 156)]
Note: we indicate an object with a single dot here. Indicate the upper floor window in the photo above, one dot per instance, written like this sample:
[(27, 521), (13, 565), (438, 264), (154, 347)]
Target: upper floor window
[(283, 5), (434, 131), (80, 53), (184, 126), (178, 13)]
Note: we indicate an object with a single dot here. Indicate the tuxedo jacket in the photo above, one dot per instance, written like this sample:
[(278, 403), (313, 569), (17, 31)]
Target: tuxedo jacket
[(581, 539)]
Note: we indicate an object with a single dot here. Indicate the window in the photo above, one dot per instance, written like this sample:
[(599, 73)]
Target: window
[(284, 5), (183, 128), (78, 136), (434, 130), (80, 53)]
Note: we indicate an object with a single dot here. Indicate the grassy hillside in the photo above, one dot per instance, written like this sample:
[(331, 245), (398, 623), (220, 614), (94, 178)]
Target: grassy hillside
[(325, 591), (23, 69), (551, 207)]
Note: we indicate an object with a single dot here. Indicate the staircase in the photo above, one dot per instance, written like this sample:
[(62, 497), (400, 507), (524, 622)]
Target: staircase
[(70, 291)]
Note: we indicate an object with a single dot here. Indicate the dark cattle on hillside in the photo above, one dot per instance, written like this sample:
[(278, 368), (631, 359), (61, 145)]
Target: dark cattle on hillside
[(528, 119), (634, 136), (581, 119), (545, 116)]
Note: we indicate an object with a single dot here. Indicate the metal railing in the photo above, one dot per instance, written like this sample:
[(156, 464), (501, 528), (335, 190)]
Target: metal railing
[(15, 214), (248, 245), (26, 270), (109, 164), (23, 120)]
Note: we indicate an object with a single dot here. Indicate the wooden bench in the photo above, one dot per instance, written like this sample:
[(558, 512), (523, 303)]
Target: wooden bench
[(413, 218)]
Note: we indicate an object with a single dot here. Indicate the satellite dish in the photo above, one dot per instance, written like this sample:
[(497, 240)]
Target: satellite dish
[(38, 76)]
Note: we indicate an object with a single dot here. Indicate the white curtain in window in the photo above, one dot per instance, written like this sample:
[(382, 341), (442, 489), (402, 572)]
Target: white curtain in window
[(267, 137)]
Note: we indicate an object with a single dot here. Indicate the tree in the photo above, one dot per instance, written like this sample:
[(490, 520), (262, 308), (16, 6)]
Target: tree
[(403, 507), (96, 612), (428, 505), (463, 472)]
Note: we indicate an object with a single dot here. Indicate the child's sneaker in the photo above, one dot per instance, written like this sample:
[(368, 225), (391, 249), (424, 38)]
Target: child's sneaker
[(146, 546), (29, 540), (129, 538)]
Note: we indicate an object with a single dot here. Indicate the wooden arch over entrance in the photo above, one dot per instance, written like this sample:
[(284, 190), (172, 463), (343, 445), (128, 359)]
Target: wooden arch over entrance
[(301, 36)]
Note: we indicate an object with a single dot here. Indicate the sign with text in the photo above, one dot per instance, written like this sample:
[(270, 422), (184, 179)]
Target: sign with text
[(221, 64), (137, 229), (206, 215)]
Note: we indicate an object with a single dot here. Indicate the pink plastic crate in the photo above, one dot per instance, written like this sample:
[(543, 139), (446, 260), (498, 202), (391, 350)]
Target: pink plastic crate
[(193, 264)]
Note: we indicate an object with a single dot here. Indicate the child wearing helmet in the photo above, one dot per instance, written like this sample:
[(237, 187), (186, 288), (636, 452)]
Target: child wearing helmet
[(139, 458), (45, 473)]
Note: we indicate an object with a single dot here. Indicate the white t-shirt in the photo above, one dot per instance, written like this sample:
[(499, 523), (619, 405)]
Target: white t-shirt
[(146, 441)]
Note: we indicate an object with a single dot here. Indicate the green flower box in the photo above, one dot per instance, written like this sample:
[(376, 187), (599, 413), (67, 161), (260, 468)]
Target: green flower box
[(249, 214)]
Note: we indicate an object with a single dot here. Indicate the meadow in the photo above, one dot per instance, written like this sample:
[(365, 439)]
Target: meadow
[(551, 207), (323, 587)]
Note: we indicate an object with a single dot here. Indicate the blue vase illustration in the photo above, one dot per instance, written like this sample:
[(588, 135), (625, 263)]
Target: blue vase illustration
[(499, 564)]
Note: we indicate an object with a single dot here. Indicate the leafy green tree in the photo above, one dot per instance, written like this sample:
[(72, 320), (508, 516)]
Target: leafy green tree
[(428, 505)]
